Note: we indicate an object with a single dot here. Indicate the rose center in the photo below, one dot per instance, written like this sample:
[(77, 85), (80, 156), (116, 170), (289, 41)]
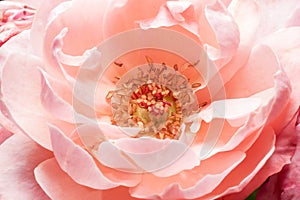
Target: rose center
[(154, 108), (155, 98)]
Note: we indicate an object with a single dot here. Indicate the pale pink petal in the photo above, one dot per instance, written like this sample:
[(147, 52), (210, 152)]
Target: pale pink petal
[(166, 163), (22, 98), (57, 106), (288, 55), (18, 43), (281, 157), (39, 25), (119, 9), (77, 163), (44, 31), (256, 75), (190, 183), (6, 121), (18, 157), (236, 111), (151, 154), (288, 183), (91, 136), (266, 113), (222, 45), (256, 157), (174, 13), (294, 20), (15, 18), (257, 19), (186, 162), (58, 185), (4, 135), (33, 3)]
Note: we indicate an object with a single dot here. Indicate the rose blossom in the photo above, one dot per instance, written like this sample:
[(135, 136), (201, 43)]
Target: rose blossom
[(228, 71)]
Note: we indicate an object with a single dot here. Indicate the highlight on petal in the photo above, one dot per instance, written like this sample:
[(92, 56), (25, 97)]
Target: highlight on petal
[(174, 13), (223, 45), (77, 163), (58, 185), (55, 105), (266, 112), (19, 155), (23, 100), (192, 183), (236, 111), (256, 158), (147, 155)]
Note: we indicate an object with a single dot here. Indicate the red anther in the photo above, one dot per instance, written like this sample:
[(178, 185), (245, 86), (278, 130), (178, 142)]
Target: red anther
[(134, 96)]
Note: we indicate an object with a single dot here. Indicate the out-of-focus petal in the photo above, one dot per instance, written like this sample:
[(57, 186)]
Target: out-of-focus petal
[(15, 18), (19, 156), (32, 3), (58, 185), (4, 134), (77, 163)]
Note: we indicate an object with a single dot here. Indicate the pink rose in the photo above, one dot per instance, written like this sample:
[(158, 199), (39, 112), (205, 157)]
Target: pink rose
[(153, 100)]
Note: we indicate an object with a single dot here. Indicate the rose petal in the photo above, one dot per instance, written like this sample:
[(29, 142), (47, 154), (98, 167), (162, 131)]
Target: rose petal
[(148, 154), (4, 135), (256, 75), (236, 111), (288, 185), (281, 157), (267, 112), (294, 19), (256, 158), (55, 105), (58, 185), (289, 60), (91, 136), (77, 163), (174, 13), (187, 184), (118, 192), (23, 100), (18, 157), (32, 3), (222, 46), (39, 25)]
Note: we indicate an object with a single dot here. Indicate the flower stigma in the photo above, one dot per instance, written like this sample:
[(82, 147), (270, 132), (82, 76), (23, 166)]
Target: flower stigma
[(154, 107)]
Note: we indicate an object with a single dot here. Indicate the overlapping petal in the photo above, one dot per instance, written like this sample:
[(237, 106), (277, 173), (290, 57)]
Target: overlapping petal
[(58, 185), (19, 157)]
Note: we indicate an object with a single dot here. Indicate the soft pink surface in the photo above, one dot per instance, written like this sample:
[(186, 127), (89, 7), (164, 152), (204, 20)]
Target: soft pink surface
[(257, 58), (19, 156)]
